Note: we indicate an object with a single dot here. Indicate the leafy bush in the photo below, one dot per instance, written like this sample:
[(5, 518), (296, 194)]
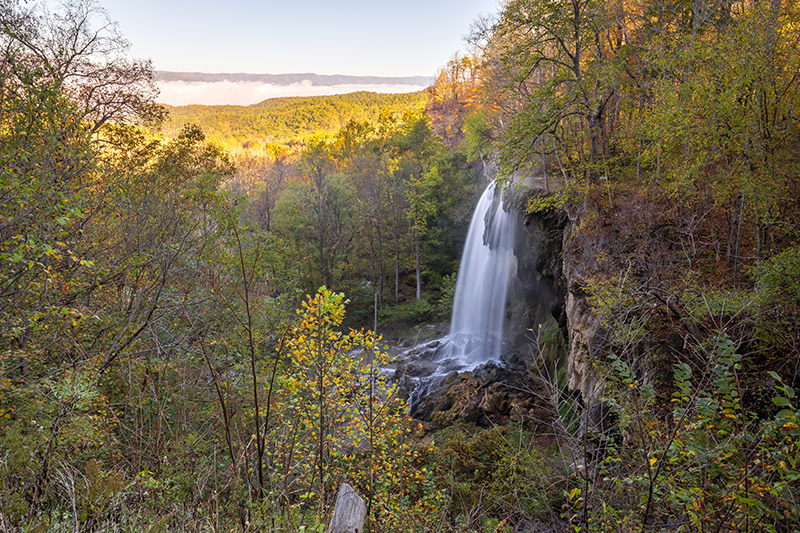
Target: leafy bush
[(712, 464), (778, 277), (499, 475), (411, 312)]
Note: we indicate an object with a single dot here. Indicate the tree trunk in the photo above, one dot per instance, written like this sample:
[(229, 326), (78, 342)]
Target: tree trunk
[(321, 261), (321, 238), (396, 234), (418, 264), (380, 263), (350, 512), (594, 154), (321, 392), (734, 229)]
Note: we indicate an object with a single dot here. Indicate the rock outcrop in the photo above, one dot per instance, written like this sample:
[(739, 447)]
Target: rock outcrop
[(570, 333)]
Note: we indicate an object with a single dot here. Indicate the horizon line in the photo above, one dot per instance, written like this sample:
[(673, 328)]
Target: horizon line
[(176, 75)]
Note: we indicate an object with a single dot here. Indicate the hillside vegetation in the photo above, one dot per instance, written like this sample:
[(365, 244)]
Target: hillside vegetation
[(182, 341), (282, 120)]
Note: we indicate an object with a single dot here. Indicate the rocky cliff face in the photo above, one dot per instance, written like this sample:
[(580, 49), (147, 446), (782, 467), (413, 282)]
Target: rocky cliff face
[(583, 329), (569, 332), (536, 328)]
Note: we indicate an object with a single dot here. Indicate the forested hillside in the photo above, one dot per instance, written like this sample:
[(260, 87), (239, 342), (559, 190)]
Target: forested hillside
[(281, 120), (186, 301)]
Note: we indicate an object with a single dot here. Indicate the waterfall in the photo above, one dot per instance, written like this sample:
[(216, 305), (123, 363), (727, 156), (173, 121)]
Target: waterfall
[(476, 327)]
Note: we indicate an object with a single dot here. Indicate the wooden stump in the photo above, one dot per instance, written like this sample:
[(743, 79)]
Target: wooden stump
[(349, 513)]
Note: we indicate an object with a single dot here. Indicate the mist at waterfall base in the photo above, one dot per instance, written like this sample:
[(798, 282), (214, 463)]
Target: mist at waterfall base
[(476, 326)]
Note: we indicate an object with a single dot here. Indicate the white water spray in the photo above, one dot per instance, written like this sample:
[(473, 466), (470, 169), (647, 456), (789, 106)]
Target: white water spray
[(476, 327)]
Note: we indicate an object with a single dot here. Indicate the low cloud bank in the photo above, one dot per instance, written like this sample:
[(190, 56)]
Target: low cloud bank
[(247, 93)]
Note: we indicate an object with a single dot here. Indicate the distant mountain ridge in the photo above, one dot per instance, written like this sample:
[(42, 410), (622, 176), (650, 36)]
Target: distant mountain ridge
[(289, 79)]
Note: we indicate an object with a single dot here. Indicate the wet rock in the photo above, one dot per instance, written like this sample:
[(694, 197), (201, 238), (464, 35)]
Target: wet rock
[(493, 394)]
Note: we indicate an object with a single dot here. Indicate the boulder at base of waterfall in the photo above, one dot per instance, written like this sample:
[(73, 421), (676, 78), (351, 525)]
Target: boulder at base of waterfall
[(493, 394)]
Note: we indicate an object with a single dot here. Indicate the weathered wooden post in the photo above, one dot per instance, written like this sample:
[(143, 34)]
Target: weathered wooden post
[(349, 513)]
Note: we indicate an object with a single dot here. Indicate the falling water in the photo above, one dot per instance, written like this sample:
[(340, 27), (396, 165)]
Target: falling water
[(476, 327)]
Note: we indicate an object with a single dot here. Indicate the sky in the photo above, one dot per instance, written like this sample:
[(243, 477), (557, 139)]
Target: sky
[(353, 37)]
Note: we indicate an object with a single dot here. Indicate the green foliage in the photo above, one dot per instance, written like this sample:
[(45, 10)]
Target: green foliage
[(712, 464), (553, 76), (411, 312), (286, 120), (448, 291), (478, 140), (545, 203), (492, 476), (777, 277), (317, 215)]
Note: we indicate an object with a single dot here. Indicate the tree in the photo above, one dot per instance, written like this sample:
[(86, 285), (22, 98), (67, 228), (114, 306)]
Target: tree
[(452, 96), (62, 82), (99, 226), (353, 422), (417, 146), (262, 176), (78, 53), (363, 154), (547, 60), (316, 211)]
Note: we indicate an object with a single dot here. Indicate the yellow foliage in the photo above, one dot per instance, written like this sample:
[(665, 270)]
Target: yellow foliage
[(350, 423)]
